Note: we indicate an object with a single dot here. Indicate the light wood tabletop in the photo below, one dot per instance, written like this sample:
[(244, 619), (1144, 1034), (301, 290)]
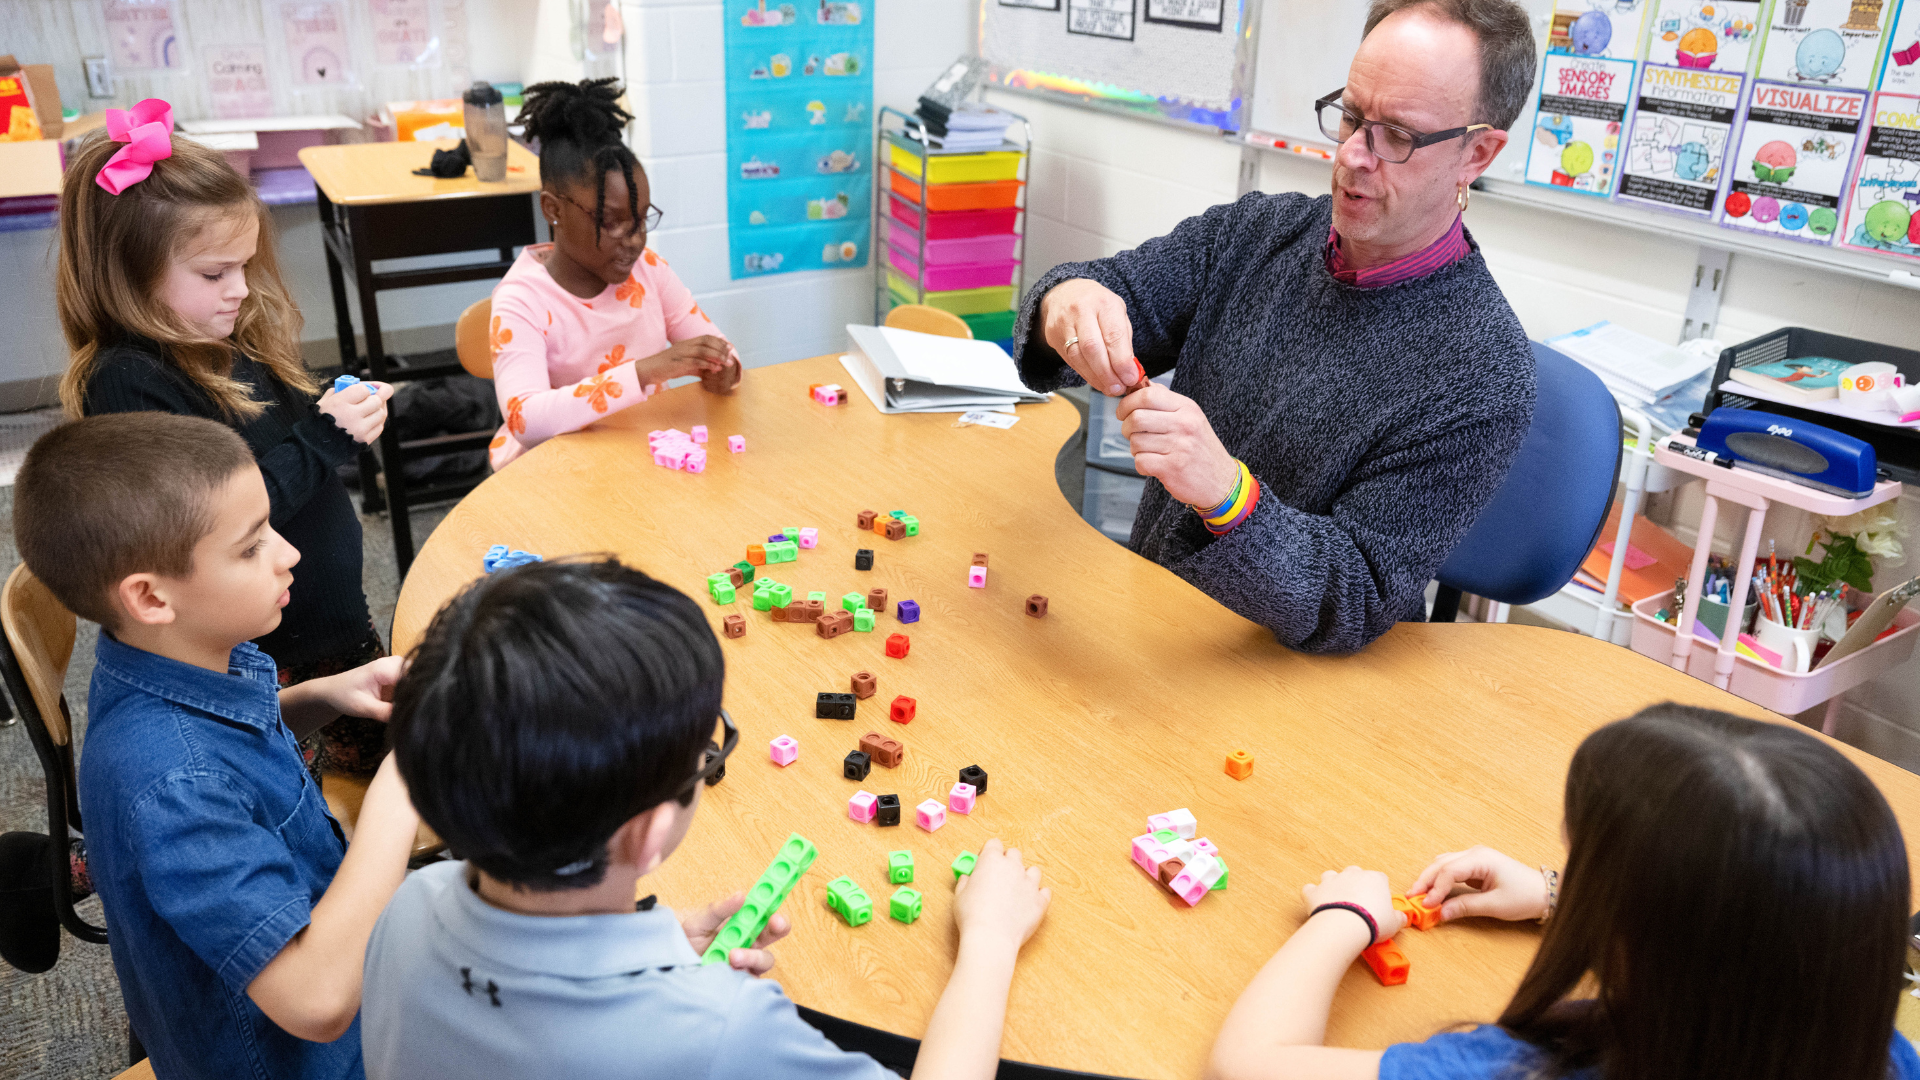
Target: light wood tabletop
[(364, 174), (1122, 702)]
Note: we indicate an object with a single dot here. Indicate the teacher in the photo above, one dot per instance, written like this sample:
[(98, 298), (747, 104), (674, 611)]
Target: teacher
[(1350, 386)]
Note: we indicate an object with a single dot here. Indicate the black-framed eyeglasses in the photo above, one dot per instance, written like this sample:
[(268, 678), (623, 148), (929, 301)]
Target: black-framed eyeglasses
[(713, 761), (1388, 142), (650, 218)]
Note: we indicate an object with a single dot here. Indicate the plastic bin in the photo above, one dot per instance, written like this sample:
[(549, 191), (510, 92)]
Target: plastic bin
[(958, 168), (1770, 687), (956, 275), (992, 326), (941, 197), (966, 249), (955, 224), (960, 302)]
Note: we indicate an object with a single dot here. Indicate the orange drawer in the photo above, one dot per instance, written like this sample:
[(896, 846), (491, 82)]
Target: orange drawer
[(942, 197)]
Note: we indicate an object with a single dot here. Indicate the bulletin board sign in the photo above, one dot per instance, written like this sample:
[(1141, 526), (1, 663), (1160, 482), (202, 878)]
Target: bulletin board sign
[(1883, 208), (1196, 14), (1677, 147), (1796, 152), (799, 86)]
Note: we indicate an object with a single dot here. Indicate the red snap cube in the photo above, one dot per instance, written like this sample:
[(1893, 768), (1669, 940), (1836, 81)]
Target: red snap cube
[(902, 712), (897, 646)]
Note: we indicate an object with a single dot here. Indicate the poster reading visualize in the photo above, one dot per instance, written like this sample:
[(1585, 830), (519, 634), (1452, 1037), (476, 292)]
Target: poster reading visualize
[(1883, 206), (1902, 71), (1824, 42), (1715, 36), (1576, 134), (1677, 146), (1790, 171), (1608, 28)]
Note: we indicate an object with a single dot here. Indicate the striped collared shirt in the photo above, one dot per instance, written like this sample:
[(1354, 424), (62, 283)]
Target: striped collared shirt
[(1449, 249)]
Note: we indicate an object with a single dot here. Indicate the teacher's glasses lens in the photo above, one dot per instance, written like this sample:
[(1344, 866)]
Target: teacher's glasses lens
[(1384, 141)]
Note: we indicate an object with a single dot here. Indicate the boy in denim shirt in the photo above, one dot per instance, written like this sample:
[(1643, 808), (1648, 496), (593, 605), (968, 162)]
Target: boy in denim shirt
[(553, 728), (237, 914)]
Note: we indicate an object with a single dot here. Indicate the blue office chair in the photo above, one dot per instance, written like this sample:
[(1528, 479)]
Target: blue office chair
[(1544, 519)]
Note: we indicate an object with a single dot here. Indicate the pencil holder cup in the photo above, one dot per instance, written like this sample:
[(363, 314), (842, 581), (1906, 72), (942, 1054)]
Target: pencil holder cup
[(1794, 646), (1714, 614)]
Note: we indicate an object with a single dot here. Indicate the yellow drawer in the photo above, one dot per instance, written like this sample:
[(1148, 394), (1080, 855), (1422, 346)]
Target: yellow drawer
[(958, 168), (958, 301)]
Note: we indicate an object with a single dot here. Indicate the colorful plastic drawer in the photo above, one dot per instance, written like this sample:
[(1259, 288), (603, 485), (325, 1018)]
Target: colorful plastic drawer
[(959, 168), (983, 275), (941, 197), (960, 302), (992, 326), (969, 249), (957, 224)]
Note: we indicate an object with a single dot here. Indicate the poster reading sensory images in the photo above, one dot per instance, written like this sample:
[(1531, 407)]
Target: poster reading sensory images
[(1790, 171), (1677, 147), (1883, 206), (1710, 35), (1824, 42), (1576, 134)]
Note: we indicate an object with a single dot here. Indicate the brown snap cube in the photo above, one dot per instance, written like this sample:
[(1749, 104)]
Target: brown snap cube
[(979, 558), (884, 751), (896, 529), (864, 685), (866, 519), (734, 575), (1037, 606), (735, 626), (832, 626), (1170, 870), (877, 600)]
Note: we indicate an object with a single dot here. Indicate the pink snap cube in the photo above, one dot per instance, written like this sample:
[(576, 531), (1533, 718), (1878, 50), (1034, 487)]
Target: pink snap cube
[(960, 799), (1180, 821), (1205, 845), (930, 815), (809, 537), (976, 577), (1142, 847), (700, 433), (783, 750), (1193, 881), (827, 395), (697, 461), (861, 807), (736, 443)]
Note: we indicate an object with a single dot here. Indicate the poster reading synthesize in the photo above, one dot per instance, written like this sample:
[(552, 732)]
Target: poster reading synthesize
[(1824, 42), (1714, 36), (1576, 133), (1790, 171), (1883, 203), (1677, 145), (1598, 28)]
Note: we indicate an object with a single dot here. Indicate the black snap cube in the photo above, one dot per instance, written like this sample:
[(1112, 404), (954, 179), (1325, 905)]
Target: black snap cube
[(833, 706), (863, 559), (977, 776), (887, 810), (856, 766)]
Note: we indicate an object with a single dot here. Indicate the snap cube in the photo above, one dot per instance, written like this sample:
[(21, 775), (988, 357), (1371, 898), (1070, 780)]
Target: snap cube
[(809, 537), (1180, 821), (864, 684), (818, 594), (897, 646), (1239, 764), (832, 626), (963, 864), (1222, 883), (789, 551), (863, 559), (860, 807), (784, 750), (1170, 870), (905, 904), (902, 710), (866, 520), (1206, 846), (782, 594), (976, 577), (700, 433), (1037, 606), (1419, 915), (734, 626), (831, 706), (930, 815), (979, 558), (776, 538), (887, 812), (737, 443), (757, 554), (849, 901), (897, 515), (738, 579), (342, 382), (763, 599), (882, 750), (1198, 876), (852, 601), (828, 394), (896, 530), (880, 525), (722, 590), (856, 765), (912, 525), (791, 532), (1143, 854), (766, 896), (863, 621), (746, 571), (1389, 964), (695, 461), (960, 799), (908, 611), (877, 599), (899, 867)]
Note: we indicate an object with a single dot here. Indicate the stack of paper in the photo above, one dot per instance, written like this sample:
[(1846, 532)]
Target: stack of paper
[(905, 371), (1636, 368), (969, 126)]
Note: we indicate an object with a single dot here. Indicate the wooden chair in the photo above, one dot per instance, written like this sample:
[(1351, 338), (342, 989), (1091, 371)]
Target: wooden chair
[(472, 339), (928, 320), (142, 1071), (39, 634)]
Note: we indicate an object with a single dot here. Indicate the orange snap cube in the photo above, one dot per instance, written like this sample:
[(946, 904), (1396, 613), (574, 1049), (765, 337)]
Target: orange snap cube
[(757, 554), (1419, 915), (1389, 964), (1239, 764)]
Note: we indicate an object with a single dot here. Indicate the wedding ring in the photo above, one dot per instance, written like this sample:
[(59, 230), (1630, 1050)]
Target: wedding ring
[(1072, 340)]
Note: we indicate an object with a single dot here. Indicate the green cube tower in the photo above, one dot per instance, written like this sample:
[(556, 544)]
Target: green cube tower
[(746, 925)]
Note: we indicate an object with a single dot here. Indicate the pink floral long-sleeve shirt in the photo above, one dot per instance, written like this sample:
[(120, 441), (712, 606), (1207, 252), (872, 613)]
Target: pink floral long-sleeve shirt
[(561, 363)]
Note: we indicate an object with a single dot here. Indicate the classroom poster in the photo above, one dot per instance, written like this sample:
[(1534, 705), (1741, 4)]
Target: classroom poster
[(1576, 133), (1790, 171), (1900, 70), (1883, 203), (1824, 42), (317, 42), (237, 81), (799, 85), (1677, 145), (141, 35), (402, 32), (1597, 28), (1101, 18), (1713, 35)]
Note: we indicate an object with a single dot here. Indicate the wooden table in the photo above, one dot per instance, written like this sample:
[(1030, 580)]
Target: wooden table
[(1122, 702), (372, 208)]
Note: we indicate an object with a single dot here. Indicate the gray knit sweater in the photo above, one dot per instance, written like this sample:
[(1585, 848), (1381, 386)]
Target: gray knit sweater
[(1378, 421)]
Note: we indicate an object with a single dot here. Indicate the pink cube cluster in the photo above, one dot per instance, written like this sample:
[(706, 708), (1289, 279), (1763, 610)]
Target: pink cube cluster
[(809, 537), (1200, 867), (976, 577), (829, 394), (1194, 879), (737, 443), (783, 750), (699, 433), (862, 806), (930, 815), (675, 449), (1180, 821), (960, 799)]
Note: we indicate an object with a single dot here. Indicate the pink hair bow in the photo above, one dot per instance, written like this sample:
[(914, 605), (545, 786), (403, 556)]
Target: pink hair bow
[(147, 129)]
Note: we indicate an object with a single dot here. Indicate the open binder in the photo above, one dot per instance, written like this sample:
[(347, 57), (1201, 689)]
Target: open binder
[(903, 371)]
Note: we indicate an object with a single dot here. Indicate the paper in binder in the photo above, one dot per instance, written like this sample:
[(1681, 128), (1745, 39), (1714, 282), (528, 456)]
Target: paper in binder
[(906, 371)]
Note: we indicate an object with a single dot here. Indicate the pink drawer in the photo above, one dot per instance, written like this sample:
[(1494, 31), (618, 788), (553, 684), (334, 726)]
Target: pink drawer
[(971, 249), (954, 224), (956, 276)]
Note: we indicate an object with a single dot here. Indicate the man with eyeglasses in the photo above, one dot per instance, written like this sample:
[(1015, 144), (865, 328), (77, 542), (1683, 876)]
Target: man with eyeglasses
[(1350, 385)]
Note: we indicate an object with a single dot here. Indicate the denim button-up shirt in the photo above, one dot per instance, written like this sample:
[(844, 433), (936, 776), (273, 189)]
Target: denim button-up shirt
[(209, 845)]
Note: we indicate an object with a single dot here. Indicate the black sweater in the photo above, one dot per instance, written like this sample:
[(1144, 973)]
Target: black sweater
[(1379, 421), (298, 450)]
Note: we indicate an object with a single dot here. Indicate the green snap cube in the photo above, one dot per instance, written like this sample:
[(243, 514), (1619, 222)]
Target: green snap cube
[(905, 905), (791, 532), (897, 515), (863, 620), (1222, 883), (722, 591), (746, 570), (849, 901), (899, 867), (763, 599), (818, 594), (912, 523), (782, 595), (853, 601), (963, 864)]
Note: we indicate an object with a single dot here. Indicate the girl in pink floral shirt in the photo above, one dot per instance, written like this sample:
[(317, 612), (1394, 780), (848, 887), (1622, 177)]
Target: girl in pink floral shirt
[(595, 321)]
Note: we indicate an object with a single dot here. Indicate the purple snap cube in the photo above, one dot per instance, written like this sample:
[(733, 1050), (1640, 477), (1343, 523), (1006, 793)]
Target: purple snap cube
[(908, 611)]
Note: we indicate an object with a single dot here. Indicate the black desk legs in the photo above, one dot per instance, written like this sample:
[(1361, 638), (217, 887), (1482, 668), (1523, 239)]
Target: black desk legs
[(392, 462), (372, 501)]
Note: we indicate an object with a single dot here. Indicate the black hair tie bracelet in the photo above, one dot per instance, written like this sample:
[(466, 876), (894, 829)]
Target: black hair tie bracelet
[(1373, 928)]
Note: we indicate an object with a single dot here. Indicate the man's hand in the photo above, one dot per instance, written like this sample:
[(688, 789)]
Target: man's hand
[(702, 925), (1173, 443), (1094, 319)]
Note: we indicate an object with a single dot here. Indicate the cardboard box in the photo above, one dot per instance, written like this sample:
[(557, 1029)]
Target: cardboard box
[(44, 91)]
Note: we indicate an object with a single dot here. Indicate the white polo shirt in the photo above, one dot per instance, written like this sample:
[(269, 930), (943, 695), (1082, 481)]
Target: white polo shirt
[(457, 987)]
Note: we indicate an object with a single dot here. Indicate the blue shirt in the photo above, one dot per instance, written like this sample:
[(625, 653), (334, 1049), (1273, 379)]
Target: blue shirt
[(1491, 1052), (209, 845), (459, 988)]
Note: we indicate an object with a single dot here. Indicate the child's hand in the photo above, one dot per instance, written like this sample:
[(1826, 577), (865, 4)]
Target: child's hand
[(362, 414), (1502, 887), (366, 690), (702, 925), (1367, 888), (1001, 902), (725, 379), (703, 355)]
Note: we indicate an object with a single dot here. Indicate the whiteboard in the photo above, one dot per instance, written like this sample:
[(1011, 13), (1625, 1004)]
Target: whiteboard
[(1303, 53)]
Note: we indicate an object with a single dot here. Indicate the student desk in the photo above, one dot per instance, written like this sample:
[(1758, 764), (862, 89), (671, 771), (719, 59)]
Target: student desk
[(373, 208), (1122, 702)]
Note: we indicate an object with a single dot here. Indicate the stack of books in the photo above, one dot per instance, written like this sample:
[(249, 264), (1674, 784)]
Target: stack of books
[(968, 126)]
